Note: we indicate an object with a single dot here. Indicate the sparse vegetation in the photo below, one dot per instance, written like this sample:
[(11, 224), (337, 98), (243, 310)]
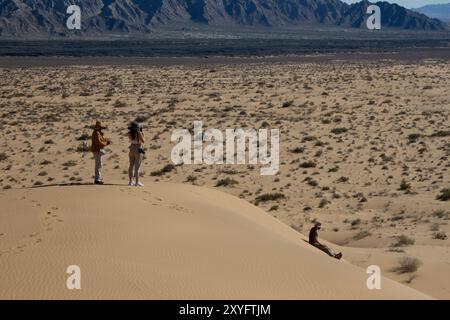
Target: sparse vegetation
[(70, 163), (339, 130), (405, 186), (287, 104), (413, 137), (84, 137), (308, 164), (441, 214), (403, 241), (444, 195), (270, 197), (191, 179), (361, 235), (440, 235), (166, 169), (227, 182), (298, 150), (408, 265)]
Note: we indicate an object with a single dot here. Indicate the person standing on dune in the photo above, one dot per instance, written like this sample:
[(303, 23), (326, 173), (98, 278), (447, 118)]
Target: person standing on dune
[(98, 144), (136, 154), (314, 240)]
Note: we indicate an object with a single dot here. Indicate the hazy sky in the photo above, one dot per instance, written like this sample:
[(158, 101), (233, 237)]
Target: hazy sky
[(408, 3)]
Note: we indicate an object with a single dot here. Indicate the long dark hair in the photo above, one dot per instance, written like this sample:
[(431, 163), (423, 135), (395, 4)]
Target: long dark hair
[(133, 134)]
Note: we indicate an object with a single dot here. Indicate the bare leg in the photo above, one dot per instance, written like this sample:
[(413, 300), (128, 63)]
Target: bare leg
[(137, 166), (131, 167)]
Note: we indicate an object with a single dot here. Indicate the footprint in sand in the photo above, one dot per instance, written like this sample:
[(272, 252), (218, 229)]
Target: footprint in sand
[(180, 208)]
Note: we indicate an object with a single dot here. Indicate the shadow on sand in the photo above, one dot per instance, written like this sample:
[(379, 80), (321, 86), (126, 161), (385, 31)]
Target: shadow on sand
[(75, 184)]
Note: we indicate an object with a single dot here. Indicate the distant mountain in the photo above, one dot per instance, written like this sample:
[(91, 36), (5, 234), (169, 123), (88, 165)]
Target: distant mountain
[(438, 11), (393, 16), (29, 18)]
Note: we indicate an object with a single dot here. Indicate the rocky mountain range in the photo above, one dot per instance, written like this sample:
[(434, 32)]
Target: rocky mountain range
[(31, 18), (438, 11)]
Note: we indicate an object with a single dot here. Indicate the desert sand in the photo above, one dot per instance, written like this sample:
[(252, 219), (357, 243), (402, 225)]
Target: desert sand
[(364, 148), (165, 241)]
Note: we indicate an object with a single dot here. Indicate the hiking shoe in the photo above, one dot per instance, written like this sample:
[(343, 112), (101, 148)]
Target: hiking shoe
[(131, 183), (99, 182), (338, 256), (139, 184)]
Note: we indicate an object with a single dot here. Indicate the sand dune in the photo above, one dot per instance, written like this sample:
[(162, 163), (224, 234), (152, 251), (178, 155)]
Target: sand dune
[(363, 143), (164, 241)]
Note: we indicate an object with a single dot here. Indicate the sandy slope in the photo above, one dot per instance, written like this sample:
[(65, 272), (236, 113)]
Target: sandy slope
[(394, 115), (164, 241)]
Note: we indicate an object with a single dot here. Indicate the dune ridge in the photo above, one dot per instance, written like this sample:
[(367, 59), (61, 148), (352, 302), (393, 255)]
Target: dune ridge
[(164, 241)]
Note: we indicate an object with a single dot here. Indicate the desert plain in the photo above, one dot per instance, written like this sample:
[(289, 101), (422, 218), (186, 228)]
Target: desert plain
[(364, 149)]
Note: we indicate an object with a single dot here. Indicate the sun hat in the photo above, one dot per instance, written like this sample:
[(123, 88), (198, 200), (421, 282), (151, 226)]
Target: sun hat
[(134, 126), (98, 125)]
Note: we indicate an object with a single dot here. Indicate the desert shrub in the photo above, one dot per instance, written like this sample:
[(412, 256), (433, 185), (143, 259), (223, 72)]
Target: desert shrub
[(270, 197), (339, 130), (313, 183), (297, 150), (120, 104), (70, 163), (441, 214), (441, 134), (142, 118), (323, 203), (308, 164), (435, 227), (440, 235), (287, 104), (230, 171), (405, 186), (444, 195), (403, 241), (84, 137), (408, 265), (334, 169), (361, 235), (413, 137), (343, 179), (83, 147), (191, 179), (166, 169), (308, 138), (227, 182)]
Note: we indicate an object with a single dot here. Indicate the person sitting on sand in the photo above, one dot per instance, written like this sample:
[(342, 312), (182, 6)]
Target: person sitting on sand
[(98, 144), (314, 240), (136, 154)]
